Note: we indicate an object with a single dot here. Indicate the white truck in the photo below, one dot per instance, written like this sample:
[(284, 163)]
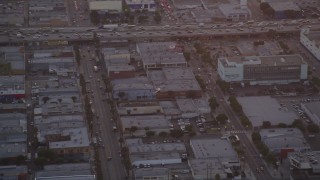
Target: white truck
[(110, 26), (95, 68)]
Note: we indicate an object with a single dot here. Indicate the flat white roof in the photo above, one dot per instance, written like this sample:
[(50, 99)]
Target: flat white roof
[(265, 108), (106, 5)]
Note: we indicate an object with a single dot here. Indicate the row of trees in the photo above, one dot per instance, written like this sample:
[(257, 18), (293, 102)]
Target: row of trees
[(263, 149), (201, 82), (237, 108), (175, 133)]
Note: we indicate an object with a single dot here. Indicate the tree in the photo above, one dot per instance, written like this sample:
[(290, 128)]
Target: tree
[(256, 138), (74, 98), (222, 119), (157, 17), (313, 128), (133, 129), (121, 95), (163, 134), (150, 133), (187, 56), (298, 124), (223, 85), (47, 153), (282, 125), (217, 177), (213, 103), (176, 133), (40, 161), (266, 124), (94, 17), (264, 6), (189, 128), (45, 99)]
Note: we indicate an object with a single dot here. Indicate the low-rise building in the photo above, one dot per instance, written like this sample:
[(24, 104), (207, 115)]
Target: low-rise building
[(191, 108), (220, 149), (280, 69), (173, 83), (154, 154), (14, 172), (161, 54), (312, 109), (206, 168), (135, 5), (13, 138), (310, 39), (305, 161), (12, 88), (66, 170), (139, 108), (152, 173), (284, 10), (12, 61), (284, 140), (235, 11), (102, 7), (138, 88), (70, 143), (155, 123)]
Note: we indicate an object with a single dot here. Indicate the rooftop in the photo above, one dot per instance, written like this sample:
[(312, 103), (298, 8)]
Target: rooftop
[(131, 84), (106, 5), (72, 169), (283, 138), (160, 53), (151, 121), (163, 147), (78, 138), (201, 167), (283, 6), (174, 79), (212, 148), (313, 107), (170, 108), (140, 173), (265, 108), (306, 160), (275, 60), (75, 177), (314, 36), (229, 9)]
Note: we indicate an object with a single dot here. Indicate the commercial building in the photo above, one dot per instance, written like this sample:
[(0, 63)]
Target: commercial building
[(70, 143), (312, 109), (284, 140), (135, 5), (220, 149), (48, 13), (265, 108), (305, 161), (117, 63), (138, 88), (207, 169), (14, 172), (176, 82), (12, 61), (311, 40), (139, 108), (236, 11), (12, 88), (155, 123), (152, 173), (284, 10), (112, 7), (191, 108), (161, 54), (66, 170), (13, 128), (280, 69), (154, 154)]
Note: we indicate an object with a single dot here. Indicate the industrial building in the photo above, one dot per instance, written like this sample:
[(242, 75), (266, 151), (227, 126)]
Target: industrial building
[(311, 40), (305, 161), (284, 10), (135, 5), (12, 88), (102, 7), (284, 140), (12, 61), (265, 108), (263, 70), (151, 173), (139, 108), (161, 54), (154, 154), (175, 83), (155, 123), (312, 109), (238, 11), (138, 88)]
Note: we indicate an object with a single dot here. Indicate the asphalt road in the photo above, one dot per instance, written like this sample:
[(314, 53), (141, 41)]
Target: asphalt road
[(191, 30), (111, 169)]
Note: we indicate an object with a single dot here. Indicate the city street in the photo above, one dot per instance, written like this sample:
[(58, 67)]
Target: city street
[(111, 168)]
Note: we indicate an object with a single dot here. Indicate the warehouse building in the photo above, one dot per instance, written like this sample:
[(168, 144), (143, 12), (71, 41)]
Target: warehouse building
[(311, 40), (305, 161), (312, 109), (264, 70), (284, 140), (284, 10)]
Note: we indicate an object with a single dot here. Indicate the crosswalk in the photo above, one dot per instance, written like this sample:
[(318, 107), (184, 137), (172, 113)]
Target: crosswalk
[(236, 132)]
